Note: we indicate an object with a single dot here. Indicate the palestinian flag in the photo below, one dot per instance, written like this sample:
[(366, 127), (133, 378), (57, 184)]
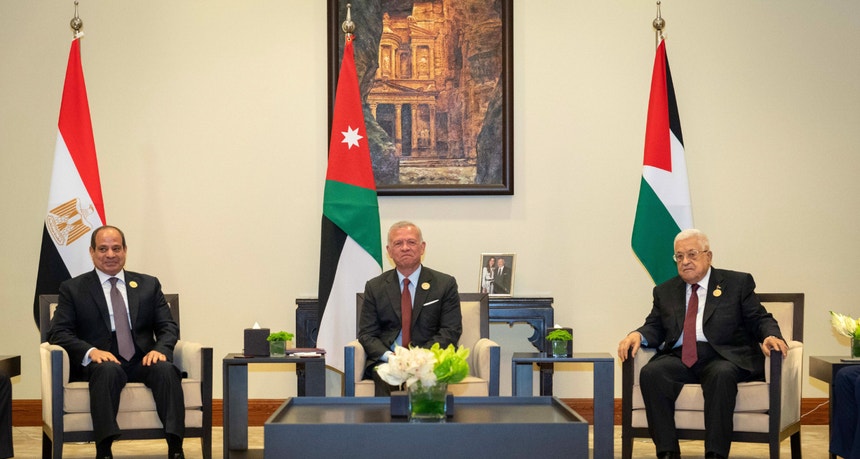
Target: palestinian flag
[(664, 206), (350, 247), (75, 204)]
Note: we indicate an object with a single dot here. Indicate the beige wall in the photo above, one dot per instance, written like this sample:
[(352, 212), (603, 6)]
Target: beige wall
[(210, 125)]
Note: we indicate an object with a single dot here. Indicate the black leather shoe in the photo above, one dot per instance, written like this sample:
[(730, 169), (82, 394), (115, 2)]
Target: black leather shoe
[(669, 455), (713, 456), (179, 455)]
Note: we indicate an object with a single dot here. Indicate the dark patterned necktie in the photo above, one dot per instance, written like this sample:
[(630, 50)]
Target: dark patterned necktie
[(688, 346), (120, 318), (406, 313)]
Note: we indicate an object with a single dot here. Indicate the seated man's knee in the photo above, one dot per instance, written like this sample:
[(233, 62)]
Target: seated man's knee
[(105, 369), (654, 370), (164, 370)]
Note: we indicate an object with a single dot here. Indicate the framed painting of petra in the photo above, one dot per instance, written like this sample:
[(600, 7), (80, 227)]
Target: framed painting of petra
[(436, 84)]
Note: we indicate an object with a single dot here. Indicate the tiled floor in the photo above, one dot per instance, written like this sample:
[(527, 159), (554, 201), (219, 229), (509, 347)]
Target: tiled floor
[(28, 441)]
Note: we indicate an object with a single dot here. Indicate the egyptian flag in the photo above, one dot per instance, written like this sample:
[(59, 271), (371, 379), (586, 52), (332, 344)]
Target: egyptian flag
[(664, 206), (75, 205), (350, 247)]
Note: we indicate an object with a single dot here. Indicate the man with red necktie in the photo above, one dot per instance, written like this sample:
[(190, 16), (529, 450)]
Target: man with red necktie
[(409, 294), (707, 324)]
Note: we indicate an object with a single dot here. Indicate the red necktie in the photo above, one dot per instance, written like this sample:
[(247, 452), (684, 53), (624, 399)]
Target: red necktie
[(688, 346), (120, 319), (406, 313)]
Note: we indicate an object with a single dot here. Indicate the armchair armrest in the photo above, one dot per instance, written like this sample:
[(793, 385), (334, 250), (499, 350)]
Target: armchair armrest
[(188, 356), (486, 358), (55, 375), (354, 360), (783, 375)]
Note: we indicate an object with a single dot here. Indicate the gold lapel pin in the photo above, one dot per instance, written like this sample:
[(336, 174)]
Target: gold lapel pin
[(132, 284), (718, 292), (425, 286)]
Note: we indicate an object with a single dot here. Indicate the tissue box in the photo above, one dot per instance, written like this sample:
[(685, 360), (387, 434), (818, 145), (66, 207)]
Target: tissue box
[(255, 342)]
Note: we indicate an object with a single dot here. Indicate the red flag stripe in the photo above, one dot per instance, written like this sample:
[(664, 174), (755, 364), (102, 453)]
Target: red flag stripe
[(349, 162), (658, 150), (77, 129)]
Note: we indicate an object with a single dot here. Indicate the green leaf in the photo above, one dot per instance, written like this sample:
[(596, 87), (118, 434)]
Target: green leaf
[(451, 365), (280, 336)]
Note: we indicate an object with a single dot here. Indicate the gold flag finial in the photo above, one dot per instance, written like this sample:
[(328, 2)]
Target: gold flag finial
[(348, 26), (658, 24), (76, 23)]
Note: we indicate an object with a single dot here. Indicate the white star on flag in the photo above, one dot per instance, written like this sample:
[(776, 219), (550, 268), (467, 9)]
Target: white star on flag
[(351, 137)]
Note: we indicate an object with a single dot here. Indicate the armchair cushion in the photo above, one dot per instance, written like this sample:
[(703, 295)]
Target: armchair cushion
[(765, 411), (753, 397), (137, 407)]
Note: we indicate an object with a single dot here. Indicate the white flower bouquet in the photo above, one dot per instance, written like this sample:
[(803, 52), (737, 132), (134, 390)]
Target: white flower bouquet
[(845, 325), (427, 366)]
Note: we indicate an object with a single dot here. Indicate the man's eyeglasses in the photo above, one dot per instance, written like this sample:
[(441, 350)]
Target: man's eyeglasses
[(691, 255)]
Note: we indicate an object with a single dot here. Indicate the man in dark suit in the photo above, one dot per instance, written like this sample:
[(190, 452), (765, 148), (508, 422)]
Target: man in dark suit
[(88, 324), (502, 279), (845, 430), (6, 449), (728, 322), (433, 297)]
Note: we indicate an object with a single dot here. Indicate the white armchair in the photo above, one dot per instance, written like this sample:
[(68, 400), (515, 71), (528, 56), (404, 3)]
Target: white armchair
[(484, 355), (66, 405), (765, 411)]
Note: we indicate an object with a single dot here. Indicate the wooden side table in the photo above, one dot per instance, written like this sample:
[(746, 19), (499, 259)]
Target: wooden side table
[(604, 386), (235, 388), (824, 368)]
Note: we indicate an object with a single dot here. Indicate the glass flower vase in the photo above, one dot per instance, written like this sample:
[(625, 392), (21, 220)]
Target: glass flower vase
[(277, 348), (855, 348), (559, 348), (427, 403)]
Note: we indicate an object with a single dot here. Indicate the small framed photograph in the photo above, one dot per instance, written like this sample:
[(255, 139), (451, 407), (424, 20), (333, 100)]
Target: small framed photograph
[(497, 273)]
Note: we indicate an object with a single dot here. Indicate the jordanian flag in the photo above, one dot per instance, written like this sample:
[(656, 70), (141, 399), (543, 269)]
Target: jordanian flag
[(351, 248), (664, 196), (75, 205)]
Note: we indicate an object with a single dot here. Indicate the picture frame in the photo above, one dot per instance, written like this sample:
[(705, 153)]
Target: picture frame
[(493, 282), (437, 95)]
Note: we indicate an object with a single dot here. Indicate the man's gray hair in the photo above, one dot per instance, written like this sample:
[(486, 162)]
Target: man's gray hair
[(405, 224), (694, 233)]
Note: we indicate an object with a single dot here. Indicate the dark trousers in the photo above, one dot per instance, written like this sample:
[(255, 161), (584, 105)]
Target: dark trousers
[(380, 387), (845, 431), (661, 381), (6, 449), (106, 381)]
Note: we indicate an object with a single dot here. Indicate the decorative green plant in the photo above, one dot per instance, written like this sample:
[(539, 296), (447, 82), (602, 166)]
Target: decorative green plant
[(559, 334), (280, 336)]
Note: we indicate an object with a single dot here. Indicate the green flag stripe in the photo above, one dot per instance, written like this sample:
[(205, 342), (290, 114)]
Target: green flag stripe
[(355, 210), (654, 232)]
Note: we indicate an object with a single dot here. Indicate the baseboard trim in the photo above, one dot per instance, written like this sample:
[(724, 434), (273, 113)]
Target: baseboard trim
[(816, 411)]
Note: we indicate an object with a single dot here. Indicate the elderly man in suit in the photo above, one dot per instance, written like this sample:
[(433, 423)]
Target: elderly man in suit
[(411, 294), (707, 324), (116, 327)]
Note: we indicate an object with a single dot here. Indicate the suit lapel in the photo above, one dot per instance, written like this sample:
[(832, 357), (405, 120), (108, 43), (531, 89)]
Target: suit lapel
[(98, 294), (680, 305), (133, 297), (393, 289), (426, 278), (712, 302)]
